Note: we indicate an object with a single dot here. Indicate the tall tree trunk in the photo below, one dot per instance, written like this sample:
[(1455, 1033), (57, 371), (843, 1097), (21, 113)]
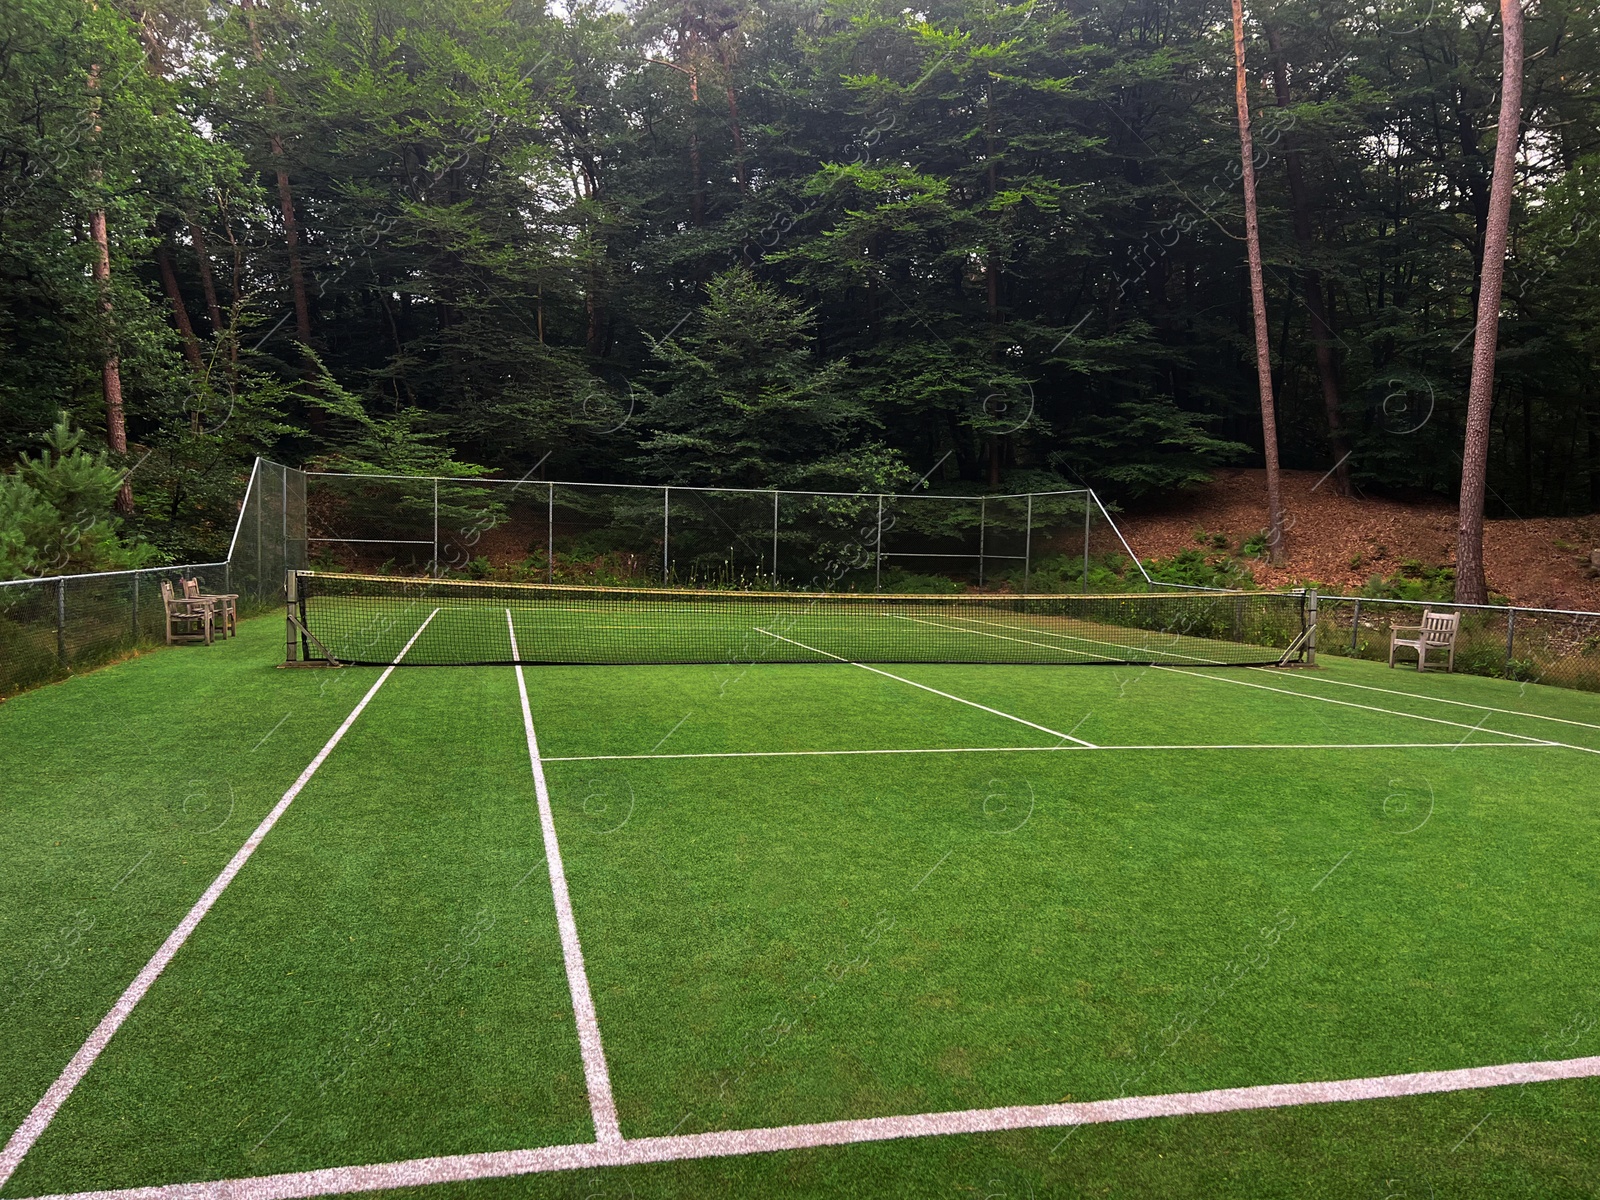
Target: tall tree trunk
[(208, 285), (1471, 587), (1258, 297), (697, 194), (291, 224), (110, 362), (180, 311), (1311, 281)]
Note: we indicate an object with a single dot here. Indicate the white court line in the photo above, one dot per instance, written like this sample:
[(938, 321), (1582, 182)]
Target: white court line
[(981, 633), (1392, 712), (1073, 637), (601, 1104), (1066, 737), (1525, 745), (501, 1164), (1510, 712), (37, 1121)]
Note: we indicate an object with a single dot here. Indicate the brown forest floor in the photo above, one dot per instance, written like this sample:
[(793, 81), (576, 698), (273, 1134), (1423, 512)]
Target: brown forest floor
[(1542, 562)]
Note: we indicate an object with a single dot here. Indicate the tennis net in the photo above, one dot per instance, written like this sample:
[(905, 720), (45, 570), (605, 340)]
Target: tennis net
[(368, 619)]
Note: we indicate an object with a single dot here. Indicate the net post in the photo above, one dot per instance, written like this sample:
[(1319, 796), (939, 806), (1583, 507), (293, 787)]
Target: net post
[(61, 620), (435, 564), (983, 533), (1027, 546), (666, 533), (291, 598), (1355, 629), (1311, 625), (550, 533), (774, 537), (1511, 634), (877, 575)]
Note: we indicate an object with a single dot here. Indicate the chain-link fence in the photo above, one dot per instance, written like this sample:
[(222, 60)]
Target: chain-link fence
[(715, 537), (49, 627), (270, 537), (52, 626), (1539, 645)]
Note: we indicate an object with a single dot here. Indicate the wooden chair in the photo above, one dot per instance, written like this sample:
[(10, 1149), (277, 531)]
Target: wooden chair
[(227, 605), (188, 619), (1437, 632)]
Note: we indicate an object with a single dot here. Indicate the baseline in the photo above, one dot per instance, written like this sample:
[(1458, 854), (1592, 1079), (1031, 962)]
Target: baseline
[(602, 1105), (1531, 745), (459, 1168), (37, 1121), (1066, 737)]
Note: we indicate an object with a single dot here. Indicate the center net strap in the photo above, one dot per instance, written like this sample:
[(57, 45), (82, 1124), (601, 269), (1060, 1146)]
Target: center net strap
[(366, 619)]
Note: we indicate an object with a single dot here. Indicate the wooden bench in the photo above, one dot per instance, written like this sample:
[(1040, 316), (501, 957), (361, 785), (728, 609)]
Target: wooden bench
[(1437, 632), (227, 605), (188, 619)]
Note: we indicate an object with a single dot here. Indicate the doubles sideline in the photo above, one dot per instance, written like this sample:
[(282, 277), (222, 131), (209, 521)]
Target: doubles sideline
[(37, 1121)]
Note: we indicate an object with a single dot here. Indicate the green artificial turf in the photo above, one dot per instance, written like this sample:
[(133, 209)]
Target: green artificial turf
[(463, 623), (803, 938)]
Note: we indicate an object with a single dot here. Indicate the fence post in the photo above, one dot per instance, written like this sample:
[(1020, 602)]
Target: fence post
[(666, 534), (774, 537), (1027, 546), (550, 533), (61, 620), (136, 605), (435, 527), (983, 534), (1355, 629), (877, 577), (1511, 633)]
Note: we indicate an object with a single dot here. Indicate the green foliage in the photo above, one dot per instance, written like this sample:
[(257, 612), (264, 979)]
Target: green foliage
[(1413, 581), (1197, 570), (989, 242), (56, 512), (739, 401)]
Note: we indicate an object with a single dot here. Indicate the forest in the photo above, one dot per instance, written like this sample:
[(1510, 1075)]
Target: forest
[(841, 244)]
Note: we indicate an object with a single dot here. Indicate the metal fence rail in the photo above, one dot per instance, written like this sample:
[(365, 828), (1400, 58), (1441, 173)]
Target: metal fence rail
[(1560, 647), (727, 537), (53, 626), (50, 626)]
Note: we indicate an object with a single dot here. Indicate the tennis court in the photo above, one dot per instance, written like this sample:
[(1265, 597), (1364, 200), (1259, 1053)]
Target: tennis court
[(804, 927)]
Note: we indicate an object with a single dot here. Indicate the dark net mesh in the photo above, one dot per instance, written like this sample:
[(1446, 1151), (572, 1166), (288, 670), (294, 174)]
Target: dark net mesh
[(370, 619)]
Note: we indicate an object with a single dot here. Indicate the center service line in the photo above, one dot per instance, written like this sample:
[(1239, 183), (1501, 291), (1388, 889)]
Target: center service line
[(601, 1104)]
